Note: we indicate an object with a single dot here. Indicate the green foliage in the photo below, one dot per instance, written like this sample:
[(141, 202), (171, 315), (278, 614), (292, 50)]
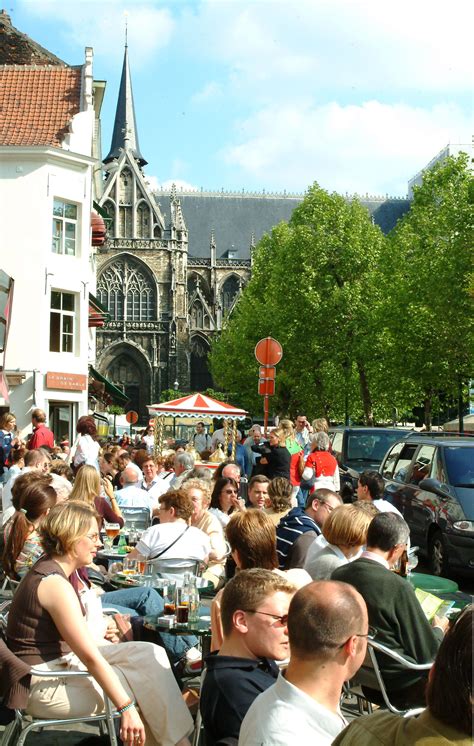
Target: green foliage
[(365, 321), (171, 395), (115, 409)]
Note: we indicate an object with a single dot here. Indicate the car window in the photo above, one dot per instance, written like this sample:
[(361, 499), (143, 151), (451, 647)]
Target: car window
[(401, 469), (460, 465), (370, 446), (421, 467), (391, 460), (337, 445), (438, 471)]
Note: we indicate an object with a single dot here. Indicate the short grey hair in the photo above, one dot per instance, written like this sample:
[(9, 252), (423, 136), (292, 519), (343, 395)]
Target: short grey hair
[(185, 459), (320, 440)]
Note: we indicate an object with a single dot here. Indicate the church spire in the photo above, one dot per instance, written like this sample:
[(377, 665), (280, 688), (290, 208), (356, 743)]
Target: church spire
[(125, 136)]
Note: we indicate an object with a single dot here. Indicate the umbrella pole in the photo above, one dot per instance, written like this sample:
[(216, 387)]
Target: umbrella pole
[(234, 439)]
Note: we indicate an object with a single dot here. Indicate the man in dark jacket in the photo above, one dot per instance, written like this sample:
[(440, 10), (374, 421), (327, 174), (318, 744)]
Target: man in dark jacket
[(254, 613), (394, 610), (299, 528)]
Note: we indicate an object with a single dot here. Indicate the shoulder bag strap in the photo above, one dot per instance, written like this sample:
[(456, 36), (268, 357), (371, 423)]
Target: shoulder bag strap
[(155, 556)]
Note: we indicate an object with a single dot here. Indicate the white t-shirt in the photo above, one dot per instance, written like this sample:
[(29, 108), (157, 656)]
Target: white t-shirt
[(385, 507), (284, 715), (134, 497), (194, 544)]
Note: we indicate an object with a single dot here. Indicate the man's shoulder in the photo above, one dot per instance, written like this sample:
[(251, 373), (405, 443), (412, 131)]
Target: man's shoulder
[(379, 729)]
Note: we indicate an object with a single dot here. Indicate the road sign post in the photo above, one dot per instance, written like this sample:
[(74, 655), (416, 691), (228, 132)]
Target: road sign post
[(268, 352)]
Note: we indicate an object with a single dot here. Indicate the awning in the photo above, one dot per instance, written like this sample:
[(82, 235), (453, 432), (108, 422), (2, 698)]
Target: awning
[(98, 314), (197, 405), (101, 388)]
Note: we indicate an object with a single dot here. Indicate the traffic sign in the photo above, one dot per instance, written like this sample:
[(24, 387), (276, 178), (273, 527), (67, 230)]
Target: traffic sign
[(266, 387), (268, 351), (132, 417), (267, 372)]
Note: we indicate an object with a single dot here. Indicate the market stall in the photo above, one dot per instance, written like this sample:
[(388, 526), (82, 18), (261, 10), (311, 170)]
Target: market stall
[(201, 407)]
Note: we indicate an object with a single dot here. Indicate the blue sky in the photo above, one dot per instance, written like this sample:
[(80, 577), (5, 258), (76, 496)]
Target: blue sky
[(274, 94)]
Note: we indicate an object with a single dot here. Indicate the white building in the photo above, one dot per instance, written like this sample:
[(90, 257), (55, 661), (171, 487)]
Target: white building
[(450, 149), (48, 125)]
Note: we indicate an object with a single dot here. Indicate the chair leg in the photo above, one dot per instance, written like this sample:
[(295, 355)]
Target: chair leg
[(110, 722), (10, 734)]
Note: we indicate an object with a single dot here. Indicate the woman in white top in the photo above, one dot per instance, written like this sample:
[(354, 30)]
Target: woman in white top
[(225, 500), (345, 531), (87, 448)]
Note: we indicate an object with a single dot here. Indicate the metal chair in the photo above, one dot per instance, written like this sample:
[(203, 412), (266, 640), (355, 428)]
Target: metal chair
[(138, 517), (18, 729), (174, 569), (369, 675)]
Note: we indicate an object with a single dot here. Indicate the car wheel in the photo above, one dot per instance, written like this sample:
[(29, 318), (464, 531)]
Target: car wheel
[(438, 554)]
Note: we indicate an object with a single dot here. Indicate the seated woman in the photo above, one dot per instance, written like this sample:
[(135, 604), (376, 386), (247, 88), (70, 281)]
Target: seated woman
[(33, 496), (252, 539), (224, 499), (46, 628), (199, 490), (280, 493), (345, 532), (87, 487), (321, 465)]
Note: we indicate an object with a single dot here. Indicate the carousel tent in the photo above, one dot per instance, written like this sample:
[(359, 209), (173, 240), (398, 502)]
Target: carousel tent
[(197, 405), (453, 425)]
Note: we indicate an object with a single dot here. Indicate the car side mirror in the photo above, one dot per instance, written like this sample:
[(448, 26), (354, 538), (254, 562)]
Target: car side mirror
[(433, 485)]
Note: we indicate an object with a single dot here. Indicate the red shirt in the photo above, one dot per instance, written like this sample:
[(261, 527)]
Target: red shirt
[(42, 436), (322, 462)]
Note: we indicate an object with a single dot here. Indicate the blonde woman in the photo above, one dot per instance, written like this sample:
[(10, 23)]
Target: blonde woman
[(199, 490), (345, 531), (280, 496), (87, 487), (46, 628)]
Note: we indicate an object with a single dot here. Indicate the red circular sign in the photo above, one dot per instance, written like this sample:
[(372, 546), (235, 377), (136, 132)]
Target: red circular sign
[(132, 417), (268, 351)]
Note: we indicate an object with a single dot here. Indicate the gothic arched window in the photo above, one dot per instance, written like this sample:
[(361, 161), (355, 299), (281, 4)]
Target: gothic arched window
[(197, 315), (127, 291), (109, 207), (230, 289), (143, 221)]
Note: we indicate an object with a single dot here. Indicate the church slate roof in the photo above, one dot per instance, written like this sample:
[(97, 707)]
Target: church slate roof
[(37, 103), (234, 218)]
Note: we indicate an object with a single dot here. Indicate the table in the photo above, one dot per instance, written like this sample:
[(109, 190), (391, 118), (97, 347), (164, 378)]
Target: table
[(433, 583), (201, 629), (152, 581)]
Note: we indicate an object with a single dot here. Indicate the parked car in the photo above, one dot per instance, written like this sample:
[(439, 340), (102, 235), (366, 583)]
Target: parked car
[(359, 448), (429, 477)]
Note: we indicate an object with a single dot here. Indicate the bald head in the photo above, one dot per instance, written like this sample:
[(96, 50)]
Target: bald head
[(129, 475), (323, 615)]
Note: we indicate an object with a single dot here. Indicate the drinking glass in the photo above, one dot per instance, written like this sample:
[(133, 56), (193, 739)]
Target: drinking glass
[(130, 566), (111, 530), (182, 605), (169, 593)]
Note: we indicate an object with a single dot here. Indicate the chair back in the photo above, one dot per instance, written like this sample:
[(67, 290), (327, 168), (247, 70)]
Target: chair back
[(174, 569), (138, 517)]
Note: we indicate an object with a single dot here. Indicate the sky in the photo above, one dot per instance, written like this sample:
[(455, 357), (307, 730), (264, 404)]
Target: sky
[(357, 95)]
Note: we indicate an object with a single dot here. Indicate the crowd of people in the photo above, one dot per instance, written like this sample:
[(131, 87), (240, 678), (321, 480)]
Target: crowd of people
[(302, 579)]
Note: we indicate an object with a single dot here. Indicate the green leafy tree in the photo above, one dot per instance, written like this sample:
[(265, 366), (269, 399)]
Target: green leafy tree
[(429, 309), (313, 287)]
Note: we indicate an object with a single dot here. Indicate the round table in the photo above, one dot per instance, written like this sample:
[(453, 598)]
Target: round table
[(432, 583), (150, 581), (201, 628)]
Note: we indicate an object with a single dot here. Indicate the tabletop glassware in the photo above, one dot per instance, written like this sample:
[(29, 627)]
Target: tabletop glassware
[(111, 531)]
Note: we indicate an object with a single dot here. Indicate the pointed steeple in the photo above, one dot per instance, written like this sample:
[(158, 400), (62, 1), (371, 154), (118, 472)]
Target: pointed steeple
[(125, 135)]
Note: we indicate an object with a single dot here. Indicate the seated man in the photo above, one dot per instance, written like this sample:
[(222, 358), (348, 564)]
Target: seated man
[(371, 487), (254, 611), (174, 537), (131, 495), (299, 528), (394, 610), (153, 484), (448, 715), (327, 629)]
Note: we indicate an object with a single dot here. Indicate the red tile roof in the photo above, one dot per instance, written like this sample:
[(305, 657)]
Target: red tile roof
[(37, 103)]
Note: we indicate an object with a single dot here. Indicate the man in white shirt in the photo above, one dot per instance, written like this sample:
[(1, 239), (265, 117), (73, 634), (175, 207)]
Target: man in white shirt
[(131, 495), (327, 629), (174, 538), (183, 464), (370, 488)]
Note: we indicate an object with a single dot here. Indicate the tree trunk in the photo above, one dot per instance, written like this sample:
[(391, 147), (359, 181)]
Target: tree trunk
[(428, 413), (365, 393)]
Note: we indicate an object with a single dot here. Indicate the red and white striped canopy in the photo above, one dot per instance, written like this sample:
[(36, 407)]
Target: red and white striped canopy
[(197, 405)]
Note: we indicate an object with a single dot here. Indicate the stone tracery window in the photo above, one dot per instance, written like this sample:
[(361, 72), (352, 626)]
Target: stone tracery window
[(230, 290), (127, 291), (197, 315)]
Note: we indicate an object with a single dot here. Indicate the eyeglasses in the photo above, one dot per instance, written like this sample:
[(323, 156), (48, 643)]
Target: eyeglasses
[(371, 633), (282, 619), (328, 507), (93, 537)]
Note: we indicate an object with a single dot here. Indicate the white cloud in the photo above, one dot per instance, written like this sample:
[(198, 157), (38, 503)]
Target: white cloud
[(101, 25), (372, 147), (208, 92), (156, 185)]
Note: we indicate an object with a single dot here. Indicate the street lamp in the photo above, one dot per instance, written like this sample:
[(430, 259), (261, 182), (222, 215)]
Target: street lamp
[(176, 385)]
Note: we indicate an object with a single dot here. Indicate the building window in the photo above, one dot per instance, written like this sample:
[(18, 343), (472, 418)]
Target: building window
[(127, 292), (64, 228), (61, 330), (230, 290)]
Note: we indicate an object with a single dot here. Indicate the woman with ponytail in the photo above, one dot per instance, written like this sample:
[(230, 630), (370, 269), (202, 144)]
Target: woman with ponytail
[(33, 498)]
